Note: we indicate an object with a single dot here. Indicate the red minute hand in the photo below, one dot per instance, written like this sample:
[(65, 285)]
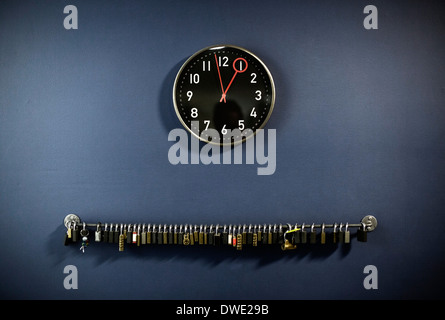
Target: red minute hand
[(220, 81), (242, 67)]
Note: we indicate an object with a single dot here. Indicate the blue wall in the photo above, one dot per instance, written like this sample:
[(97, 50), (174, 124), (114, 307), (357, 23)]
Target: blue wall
[(84, 120)]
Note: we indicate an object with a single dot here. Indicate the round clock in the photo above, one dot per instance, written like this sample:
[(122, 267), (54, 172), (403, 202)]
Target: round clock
[(223, 94)]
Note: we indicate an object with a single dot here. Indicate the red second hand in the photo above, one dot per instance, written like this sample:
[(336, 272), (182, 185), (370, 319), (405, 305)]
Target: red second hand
[(220, 81)]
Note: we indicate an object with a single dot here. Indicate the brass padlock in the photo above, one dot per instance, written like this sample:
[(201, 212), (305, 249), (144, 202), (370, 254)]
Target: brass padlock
[(287, 245)]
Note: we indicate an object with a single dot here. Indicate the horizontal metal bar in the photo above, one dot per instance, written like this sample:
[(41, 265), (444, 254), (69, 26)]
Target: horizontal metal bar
[(161, 226)]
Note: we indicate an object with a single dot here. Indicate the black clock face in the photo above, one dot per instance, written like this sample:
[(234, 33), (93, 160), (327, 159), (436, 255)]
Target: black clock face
[(223, 94)]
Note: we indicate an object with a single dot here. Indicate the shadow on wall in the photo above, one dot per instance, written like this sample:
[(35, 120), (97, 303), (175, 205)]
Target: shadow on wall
[(263, 254), (166, 108)]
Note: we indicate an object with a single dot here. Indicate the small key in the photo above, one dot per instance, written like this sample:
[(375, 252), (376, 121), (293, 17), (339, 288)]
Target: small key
[(313, 235), (303, 234), (323, 234), (347, 234), (362, 233), (125, 231)]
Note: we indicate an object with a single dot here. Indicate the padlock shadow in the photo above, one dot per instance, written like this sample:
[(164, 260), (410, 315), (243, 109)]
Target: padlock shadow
[(262, 256)]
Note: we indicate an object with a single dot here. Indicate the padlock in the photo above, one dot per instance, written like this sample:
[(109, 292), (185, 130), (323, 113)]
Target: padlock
[(341, 234), (287, 245), (313, 235), (323, 234), (296, 236), (335, 234), (362, 233), (347, 234), (303, 234)]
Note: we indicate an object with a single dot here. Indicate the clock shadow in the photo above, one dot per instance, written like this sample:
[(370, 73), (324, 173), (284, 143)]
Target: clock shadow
[(165, 102)]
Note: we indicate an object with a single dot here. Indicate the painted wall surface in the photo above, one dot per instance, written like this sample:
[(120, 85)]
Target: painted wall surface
[(360, 124)]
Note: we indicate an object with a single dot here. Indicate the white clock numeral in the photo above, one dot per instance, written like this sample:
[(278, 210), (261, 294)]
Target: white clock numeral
[(207, 123), (194, 113), (224, 130), (258, 95), (253, 112), (253, 75), (241, 124), (224, 60), (206, 65), (189, 95), (194, 78)]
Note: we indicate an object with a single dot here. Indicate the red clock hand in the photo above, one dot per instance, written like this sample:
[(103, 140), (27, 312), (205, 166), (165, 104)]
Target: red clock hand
[(220, 81), (240, 70)]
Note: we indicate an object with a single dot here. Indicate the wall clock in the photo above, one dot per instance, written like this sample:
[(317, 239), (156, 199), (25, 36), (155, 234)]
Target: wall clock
[(223, 94)]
